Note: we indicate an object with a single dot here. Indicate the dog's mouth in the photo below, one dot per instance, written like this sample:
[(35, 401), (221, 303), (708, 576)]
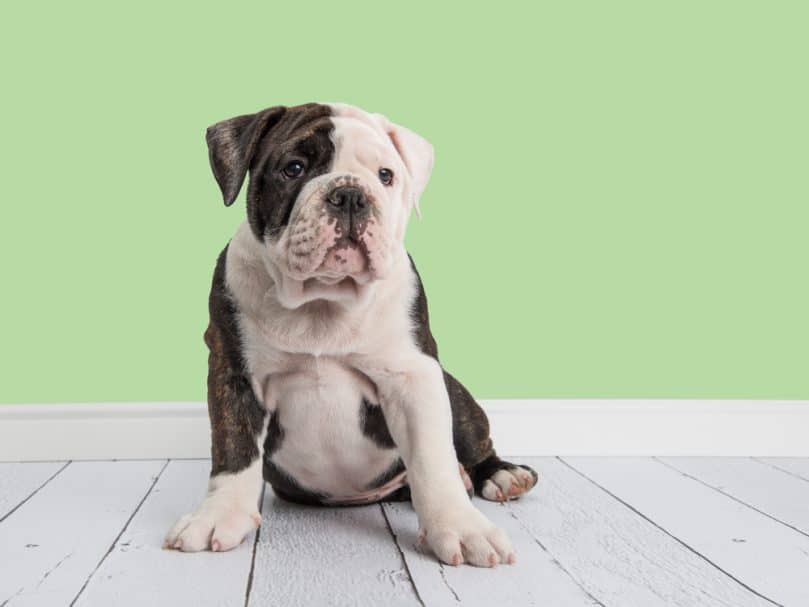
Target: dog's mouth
[(346, 257), (340, 272), (345, 269)]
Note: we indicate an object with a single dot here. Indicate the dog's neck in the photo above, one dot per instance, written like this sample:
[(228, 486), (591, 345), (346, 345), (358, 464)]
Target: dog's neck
[(319, 326), (261, 288)]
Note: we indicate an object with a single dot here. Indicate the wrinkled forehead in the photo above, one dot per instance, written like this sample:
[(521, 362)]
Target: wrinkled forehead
[(355, 142), (360, 137)]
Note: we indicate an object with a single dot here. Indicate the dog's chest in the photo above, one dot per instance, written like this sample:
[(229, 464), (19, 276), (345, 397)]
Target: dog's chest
[(326, 431)]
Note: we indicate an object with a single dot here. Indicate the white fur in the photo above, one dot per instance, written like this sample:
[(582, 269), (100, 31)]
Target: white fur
[(508, 483), (227, 514), (315, 347)]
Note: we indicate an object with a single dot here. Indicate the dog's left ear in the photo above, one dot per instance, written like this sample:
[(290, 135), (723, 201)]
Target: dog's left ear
[(232, 144), (416, 152)]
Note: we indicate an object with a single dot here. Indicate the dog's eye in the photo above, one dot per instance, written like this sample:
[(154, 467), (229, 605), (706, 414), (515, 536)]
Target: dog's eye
[(386, 176), (294, 169)]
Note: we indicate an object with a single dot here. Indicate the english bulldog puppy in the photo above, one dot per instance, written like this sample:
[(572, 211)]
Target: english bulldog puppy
[(323, 375)]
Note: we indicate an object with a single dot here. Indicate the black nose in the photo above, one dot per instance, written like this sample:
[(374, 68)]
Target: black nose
[(348, 199)]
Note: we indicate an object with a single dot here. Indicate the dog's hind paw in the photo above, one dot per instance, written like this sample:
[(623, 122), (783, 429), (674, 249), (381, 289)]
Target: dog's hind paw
[(509, 482)]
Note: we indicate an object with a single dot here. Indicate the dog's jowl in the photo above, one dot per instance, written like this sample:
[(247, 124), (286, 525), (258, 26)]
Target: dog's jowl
[(323, 375)]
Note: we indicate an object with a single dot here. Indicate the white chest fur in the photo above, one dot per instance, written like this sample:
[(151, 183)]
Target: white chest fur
[(323, 448), (301, 367)]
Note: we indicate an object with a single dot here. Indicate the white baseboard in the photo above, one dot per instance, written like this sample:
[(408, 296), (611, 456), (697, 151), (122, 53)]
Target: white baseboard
[(519, 427)]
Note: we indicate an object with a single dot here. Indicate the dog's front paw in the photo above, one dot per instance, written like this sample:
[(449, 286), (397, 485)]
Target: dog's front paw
[(464, 535), (213, 526)]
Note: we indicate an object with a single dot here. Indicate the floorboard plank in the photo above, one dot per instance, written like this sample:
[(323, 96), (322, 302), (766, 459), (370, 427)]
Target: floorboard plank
[(766, 556), (52, 544), (327, 556), (19, 480), (534, 580), (617, 556), (797, 466), (139, 572), (780, 495)]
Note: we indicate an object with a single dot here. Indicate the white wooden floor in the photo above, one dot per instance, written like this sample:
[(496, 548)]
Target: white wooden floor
[(617, 532)]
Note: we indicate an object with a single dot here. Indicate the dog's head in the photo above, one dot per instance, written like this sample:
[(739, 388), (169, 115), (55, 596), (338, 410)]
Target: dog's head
[(330, 191)]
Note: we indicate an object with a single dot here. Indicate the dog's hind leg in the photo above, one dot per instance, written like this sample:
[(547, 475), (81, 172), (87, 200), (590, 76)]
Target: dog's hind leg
[(493, 478)]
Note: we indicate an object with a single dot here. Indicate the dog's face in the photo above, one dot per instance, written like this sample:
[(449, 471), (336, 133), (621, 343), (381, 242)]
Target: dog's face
[(331, 188)]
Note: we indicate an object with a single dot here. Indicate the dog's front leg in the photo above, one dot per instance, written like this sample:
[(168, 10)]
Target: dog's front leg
[(230, 510), (416, 407)]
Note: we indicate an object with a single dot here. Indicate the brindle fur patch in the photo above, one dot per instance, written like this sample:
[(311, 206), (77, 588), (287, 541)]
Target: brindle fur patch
[(421, 318), (236, 415)]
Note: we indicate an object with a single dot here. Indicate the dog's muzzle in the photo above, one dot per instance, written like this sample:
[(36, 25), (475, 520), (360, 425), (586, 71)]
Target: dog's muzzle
[(348, 201)]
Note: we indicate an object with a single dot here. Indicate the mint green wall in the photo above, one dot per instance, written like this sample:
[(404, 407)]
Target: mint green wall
[(619, 206)]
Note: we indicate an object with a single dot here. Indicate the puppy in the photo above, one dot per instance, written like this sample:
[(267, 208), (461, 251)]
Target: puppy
[(323, 375)]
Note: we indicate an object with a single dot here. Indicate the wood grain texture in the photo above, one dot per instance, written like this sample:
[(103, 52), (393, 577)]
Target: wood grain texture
[(769, 558), (769, 490), (139, 572), (320, 556), (651, 537), (797, 466), (536, 578), (617, 556), (19, 480), (51, 545)]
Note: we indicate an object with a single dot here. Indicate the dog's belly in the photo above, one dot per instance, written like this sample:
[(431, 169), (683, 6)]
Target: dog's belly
[(325, 433)]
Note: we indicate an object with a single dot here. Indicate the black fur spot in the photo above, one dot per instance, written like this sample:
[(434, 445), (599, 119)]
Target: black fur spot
[(275, 436), (287, 487), (396, 468), (372, 424)]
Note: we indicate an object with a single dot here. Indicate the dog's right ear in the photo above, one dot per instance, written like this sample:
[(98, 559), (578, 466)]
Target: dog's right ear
[(232, 144)]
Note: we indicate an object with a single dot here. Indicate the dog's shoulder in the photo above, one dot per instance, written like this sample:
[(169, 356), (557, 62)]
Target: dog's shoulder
[(420, 316)]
